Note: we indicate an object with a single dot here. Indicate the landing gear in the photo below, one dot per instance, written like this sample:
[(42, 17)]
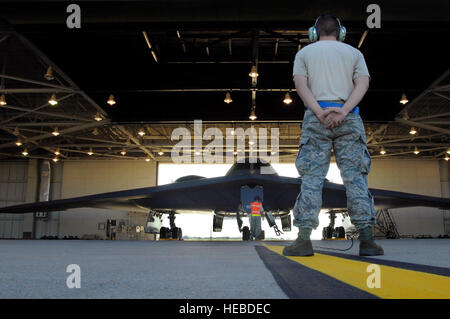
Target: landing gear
[(217, 223), (286, 223), (174, 233), (330, 231), (246, 233)]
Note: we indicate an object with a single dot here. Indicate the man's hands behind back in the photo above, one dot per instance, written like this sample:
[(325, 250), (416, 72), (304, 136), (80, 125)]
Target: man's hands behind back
[(332, 117)]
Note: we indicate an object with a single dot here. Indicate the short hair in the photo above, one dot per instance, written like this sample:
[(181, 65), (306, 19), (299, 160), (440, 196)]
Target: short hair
[(327, 24), (257, 198)]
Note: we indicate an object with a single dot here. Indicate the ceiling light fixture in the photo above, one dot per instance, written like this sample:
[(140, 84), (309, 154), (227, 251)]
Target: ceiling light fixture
[(404, 100), (53, 100), (123, 152), (413, 131), (25, 152), (141, 132), (147, 159), (98, 117), (57, 152), (49, 74), (252, 115), (55, 132), (111, 101), (416, 150), (19, 143), (3, 100), (228, 99), (55, 159), (160, 153), (287, 98), (90, 152), (382, 151), (448, 150), (253, 72), (446, 158)]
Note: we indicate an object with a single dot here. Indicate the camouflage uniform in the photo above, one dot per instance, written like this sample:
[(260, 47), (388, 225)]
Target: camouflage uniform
[(353, 159)]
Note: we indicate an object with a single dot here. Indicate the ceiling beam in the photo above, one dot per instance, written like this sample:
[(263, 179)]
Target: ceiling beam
[(424, 126)]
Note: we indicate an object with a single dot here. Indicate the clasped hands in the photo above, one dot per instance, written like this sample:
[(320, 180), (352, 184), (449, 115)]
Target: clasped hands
[(332, 117)]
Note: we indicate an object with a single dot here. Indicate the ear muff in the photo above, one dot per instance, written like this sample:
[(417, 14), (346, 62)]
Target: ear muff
[(313, 34), (342, 31)]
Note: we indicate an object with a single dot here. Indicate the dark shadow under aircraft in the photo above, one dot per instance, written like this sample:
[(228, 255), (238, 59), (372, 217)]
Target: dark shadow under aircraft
[(227, 196)]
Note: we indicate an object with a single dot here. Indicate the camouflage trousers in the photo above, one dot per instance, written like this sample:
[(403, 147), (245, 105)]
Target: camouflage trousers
[(353, 159)]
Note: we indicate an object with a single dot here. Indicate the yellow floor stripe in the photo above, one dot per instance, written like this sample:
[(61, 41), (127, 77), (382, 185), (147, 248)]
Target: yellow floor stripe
[(395, 282)]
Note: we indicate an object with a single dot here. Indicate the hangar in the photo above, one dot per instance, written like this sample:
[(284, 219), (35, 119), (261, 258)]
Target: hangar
[(92, 110)]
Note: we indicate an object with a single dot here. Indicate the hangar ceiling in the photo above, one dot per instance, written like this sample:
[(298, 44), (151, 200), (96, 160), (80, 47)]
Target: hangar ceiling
[(167, 70)]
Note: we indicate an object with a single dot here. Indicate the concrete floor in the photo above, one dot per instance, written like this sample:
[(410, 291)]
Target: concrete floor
[(134, 269), (167, 269)]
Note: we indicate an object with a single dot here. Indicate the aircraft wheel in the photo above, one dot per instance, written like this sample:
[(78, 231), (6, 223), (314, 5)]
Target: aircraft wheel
[(164, 233), (340, 232), (176, 233), (245, 233), (327, 233)]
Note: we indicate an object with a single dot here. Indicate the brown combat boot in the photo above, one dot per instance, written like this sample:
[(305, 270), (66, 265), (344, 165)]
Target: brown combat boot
[(367, 246), (300, 247)]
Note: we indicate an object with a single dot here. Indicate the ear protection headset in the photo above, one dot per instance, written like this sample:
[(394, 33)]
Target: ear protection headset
[(313, 33)]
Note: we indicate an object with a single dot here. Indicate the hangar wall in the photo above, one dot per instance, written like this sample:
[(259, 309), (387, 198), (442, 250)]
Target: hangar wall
[(91, 177), (413, 176), (19, 184)]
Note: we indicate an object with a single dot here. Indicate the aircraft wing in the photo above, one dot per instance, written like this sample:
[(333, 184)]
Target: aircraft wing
[(222, 194)]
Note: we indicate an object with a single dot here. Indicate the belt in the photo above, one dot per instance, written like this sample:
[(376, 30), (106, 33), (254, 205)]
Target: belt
[(325, 104)]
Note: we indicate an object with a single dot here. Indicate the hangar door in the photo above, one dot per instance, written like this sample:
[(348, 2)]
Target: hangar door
[(13, 186)]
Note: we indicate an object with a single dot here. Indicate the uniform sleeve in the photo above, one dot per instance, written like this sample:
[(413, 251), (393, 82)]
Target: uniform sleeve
[(300, 64), (360, 68)]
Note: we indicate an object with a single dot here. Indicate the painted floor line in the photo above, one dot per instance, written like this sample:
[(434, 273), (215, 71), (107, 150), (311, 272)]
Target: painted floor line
[(300, 282), (394, 282)]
